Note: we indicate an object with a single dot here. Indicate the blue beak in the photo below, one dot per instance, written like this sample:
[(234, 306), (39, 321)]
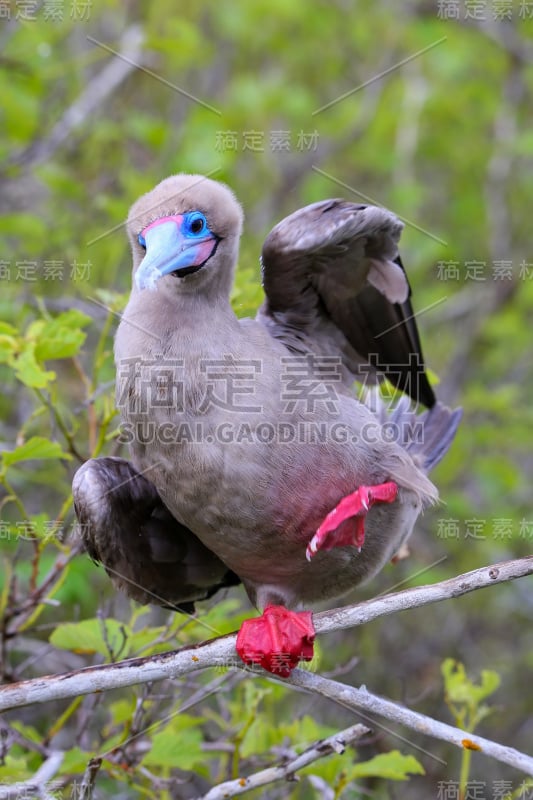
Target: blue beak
[(168, 250)]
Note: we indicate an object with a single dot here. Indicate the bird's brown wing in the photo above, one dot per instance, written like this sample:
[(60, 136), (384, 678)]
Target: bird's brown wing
[(334, 282), (147, 553)]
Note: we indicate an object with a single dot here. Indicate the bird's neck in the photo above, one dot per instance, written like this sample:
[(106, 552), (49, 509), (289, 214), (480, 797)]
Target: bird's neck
[(180, 315), (157, 323)]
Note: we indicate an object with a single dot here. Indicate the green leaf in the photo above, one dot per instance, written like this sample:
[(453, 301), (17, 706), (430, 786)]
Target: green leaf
[(75, 760), (14, 769), (35, 448), (460, 689), (246, 717), (490, 681), (27, 731), (63, 345), (60, 337), (222, 618), (143, 640), (179, 745), (122, 710), (260, 737), (29, 371), (115, 301), (23, 225), (8, 348), (93, 636), (72, 319), (394, 766)]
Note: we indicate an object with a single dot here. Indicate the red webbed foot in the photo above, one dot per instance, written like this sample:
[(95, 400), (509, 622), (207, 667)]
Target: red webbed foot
[(277, 640), (353, 507)]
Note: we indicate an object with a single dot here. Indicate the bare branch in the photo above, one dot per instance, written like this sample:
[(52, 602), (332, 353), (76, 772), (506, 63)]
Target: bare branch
[(221, 651), (333, 744), (86, 788), (356, 699), (35, 785), (350, 616), (90, 100), (498, 182)]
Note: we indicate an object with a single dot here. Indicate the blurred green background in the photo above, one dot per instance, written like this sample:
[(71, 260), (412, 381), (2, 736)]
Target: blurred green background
[(423, 107)]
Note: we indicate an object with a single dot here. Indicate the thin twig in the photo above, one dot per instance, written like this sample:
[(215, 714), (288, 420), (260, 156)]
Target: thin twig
[(37, 783), (21, 614), (350, 616), (221, 652), (356, 699), (90, 101), (86, 787), (333, 744), (56, 417)]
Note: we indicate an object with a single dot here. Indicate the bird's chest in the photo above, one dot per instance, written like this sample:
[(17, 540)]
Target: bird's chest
[(179, 385), (194, 422)]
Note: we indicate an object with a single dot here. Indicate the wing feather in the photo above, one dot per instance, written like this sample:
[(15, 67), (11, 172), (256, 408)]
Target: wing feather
[(333, 280)]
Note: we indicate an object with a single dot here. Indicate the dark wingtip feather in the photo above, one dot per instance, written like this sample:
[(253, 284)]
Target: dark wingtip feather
[(426, 393), (427, 436), (440, 427)]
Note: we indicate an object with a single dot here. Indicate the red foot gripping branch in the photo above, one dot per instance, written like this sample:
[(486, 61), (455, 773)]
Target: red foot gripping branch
[(277, 640), (280, 638)]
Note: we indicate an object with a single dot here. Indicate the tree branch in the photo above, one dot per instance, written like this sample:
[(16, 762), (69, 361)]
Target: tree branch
[(89, 102), (37, 784), (86, 788), (333, 744), (351, 616), (221, 651), (356, 699)]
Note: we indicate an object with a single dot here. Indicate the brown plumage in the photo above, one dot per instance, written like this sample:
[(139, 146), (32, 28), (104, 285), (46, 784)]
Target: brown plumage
[(337, 298)]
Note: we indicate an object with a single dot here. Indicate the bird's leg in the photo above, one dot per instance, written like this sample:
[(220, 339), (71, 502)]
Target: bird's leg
[(277, 640), (354, 508)]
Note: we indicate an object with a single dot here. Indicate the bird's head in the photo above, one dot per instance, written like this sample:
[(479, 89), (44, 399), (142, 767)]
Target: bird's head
[(184, 235)]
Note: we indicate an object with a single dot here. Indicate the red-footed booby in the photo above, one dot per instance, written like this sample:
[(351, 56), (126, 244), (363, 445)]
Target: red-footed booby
[(252, 459)]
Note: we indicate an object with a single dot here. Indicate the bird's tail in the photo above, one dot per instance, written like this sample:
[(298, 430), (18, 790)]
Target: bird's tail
[(426, 437)]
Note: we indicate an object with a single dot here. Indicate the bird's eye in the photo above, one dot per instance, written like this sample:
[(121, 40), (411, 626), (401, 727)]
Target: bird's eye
[(141, 240), (196, 223)]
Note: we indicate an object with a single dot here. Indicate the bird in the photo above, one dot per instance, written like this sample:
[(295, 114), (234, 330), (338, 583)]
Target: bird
[(263, 451)]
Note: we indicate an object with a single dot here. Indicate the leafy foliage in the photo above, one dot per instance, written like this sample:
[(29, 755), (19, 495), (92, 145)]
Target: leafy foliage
[(285, 102), (464, 699)]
